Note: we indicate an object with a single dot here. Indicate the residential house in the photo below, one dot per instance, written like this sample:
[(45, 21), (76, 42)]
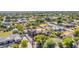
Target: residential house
[(6, 23), (22, 21), (67, 34)]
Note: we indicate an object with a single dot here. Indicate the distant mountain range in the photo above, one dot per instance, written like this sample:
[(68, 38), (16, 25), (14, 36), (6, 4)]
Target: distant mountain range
[(33, 11), (23, 12)]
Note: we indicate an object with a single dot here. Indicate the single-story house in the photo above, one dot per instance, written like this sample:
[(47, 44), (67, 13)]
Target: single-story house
[(67, 34)]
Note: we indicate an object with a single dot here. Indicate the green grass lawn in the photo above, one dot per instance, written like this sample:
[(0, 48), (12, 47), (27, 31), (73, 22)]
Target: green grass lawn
[(5, 34)]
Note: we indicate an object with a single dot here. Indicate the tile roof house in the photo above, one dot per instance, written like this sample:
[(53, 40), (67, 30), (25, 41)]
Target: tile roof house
[(16, 37), (12, 38), (67, 34), (55, 27), (21, 20)]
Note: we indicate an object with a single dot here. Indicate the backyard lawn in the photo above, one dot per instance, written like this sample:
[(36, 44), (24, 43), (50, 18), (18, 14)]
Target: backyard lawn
[(5, 34)]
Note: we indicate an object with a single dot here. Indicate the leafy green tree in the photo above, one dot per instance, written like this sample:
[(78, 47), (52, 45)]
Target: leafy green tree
[(15, 45), (60, 44), (53, 34), (40, 39), (23, 43), (76, 39), (58, 33), (20, 27), (50, 43), (40, 21), (68, 42), (1, 18), (76, 32), (0, 24)]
